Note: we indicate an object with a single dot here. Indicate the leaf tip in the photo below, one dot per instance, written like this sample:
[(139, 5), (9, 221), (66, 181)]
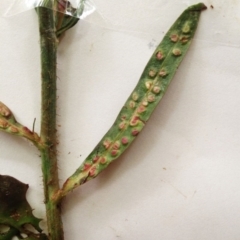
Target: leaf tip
[(197, 7)]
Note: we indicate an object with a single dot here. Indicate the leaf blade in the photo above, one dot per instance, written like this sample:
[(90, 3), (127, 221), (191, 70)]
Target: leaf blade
[(150, 89)]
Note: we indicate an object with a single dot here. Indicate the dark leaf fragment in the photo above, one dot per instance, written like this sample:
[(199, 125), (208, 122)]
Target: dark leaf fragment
[(15, 211)]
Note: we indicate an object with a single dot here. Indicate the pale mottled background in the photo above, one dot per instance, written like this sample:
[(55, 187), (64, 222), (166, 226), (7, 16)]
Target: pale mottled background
[(180, 180)]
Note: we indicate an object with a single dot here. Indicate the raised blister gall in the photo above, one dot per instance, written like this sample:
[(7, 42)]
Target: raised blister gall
[(124, 140), (13, 129), (159, 55), (162, 73), (4, 110), (148, 84), (135, 96), (152, 73), (106, 143), (176, 52), (174, 37), (132, 104), (3, 123), (27, 130), (103, 160), (114, 153), (92, 171), (184, 39), (141, 109), (151, 97), (134, 121), (95, 158), (145, 103), (186, 28), (122, 125), (135, 132), (116, 145), (156, 89), (123, 117), (86, 166)]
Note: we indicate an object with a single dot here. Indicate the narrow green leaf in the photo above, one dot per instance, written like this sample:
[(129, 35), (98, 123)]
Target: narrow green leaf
[(150, 89)]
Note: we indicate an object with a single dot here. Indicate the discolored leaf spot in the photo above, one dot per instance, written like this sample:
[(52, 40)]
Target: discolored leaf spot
[(15, 211)]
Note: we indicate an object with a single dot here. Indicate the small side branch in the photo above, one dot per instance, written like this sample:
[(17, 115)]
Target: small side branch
[(9, 125)]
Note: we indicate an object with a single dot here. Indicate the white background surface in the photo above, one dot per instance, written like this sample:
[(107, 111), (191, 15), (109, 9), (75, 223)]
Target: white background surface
[(180, 178)]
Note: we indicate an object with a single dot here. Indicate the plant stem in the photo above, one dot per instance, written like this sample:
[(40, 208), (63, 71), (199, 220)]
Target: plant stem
[(48, 42)]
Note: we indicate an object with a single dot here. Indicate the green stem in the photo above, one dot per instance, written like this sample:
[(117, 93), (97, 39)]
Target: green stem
[(48, 43)]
